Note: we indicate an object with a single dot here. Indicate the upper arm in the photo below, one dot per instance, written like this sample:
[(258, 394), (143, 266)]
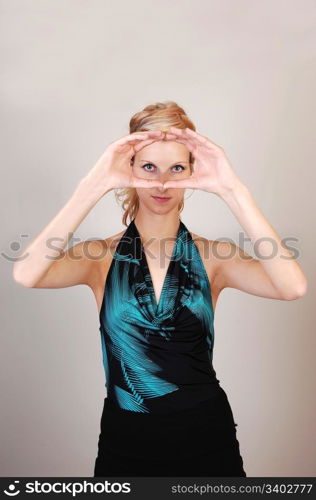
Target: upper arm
[(235, 268), (78, 265)]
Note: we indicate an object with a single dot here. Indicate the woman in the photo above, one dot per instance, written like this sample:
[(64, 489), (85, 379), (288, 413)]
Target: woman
[(165, 413)]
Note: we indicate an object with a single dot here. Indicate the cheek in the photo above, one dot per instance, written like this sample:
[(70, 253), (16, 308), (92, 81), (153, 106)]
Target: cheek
[(143, 193), (179, 192)]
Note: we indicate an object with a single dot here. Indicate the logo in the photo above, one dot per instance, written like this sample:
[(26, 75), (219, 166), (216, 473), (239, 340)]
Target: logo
[(12, 490)]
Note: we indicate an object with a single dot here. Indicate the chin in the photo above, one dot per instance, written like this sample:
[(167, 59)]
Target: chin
[(162, 208)]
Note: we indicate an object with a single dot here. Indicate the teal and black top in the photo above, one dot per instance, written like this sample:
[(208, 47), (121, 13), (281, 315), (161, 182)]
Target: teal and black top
[(157, 357)]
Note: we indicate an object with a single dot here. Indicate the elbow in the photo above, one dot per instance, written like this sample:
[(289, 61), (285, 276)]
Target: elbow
[(299, 291), (21, 279)]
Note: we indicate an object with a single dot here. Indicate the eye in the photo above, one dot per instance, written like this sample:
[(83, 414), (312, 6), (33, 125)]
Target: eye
[(146, 165), (182, 168), (153, 167)]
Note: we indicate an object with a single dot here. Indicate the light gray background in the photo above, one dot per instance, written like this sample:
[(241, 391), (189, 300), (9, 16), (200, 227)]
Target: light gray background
[(73, 73)]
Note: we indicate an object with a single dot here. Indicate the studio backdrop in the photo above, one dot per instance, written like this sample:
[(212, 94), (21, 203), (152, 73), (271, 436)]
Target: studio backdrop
[(73, 73)]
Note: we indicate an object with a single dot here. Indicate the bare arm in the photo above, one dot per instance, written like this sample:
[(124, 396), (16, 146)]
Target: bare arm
[(45, 264), (275, 273)]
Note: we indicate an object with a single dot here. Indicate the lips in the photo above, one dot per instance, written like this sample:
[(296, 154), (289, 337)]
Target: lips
[(161, 198)]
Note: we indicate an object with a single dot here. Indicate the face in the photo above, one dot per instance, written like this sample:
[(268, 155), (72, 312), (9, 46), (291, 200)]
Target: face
[(163, 161)]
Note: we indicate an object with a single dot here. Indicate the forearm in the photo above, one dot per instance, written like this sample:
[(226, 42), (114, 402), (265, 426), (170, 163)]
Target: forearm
[(43, 251), (278, 262)]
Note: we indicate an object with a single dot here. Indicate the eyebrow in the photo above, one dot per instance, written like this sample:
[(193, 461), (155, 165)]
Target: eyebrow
[(181, 161)]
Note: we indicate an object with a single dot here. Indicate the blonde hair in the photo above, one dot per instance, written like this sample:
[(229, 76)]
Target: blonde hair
[(159, 116)]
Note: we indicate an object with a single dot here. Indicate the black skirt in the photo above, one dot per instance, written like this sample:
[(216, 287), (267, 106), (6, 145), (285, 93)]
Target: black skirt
[(199, 441)]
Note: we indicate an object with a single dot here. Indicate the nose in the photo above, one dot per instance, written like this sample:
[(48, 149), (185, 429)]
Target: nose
[(161, 189), (163, 177)]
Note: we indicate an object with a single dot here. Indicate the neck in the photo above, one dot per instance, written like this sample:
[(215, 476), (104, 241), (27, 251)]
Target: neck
[(157, 226)]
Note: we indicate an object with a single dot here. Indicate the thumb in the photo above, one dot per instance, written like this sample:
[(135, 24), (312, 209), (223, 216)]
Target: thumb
[(145, 183), (183, 183)]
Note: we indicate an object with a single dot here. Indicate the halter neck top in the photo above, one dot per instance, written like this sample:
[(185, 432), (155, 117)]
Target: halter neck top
[(157, 357)]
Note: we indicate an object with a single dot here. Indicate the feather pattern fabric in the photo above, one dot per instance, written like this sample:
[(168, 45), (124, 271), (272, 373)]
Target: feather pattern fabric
[(157, 357)]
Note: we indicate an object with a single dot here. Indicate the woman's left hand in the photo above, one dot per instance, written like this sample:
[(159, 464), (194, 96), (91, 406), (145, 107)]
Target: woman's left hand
[(213, 172)]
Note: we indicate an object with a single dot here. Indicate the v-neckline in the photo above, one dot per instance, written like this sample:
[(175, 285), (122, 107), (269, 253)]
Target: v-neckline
[(143, 258)]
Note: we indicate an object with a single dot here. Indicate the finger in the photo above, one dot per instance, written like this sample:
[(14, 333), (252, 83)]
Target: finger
[(144, 135), (181, 140), (196, 137), (139, 136), (197, 140), (142, 144), (180, 184), (177, 130), (170, 136), (126, 143), (145, 183), (186, 142), (201, 137), (181, 134)]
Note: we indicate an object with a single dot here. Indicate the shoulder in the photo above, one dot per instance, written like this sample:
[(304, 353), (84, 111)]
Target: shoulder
[(94, 251), (205, 248), (214, 254), (222, 259), (104, 247), (214, 251), (101, 252), (209, 251)]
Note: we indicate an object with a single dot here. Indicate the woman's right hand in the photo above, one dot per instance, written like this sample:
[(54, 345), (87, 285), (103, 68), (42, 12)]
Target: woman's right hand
[(47, 266), (114, 170)]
